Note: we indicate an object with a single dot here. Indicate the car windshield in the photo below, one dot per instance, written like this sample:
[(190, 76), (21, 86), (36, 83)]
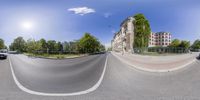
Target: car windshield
[(99, 49)]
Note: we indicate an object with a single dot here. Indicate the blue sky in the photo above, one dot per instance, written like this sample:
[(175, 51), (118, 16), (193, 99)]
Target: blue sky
[(66, 20)]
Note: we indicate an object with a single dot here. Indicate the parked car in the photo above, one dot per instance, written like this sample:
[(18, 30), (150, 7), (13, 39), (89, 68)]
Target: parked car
[(3, 54), (198, 56)]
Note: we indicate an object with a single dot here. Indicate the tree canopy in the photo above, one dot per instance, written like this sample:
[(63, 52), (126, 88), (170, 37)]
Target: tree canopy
[(19, 44), (175, 43), (43, 45), (51, 45), (185, 44), (59, 46), (142, 31), (32, 46), (88, 44), (2, 45), (178, 43), (196, 44)]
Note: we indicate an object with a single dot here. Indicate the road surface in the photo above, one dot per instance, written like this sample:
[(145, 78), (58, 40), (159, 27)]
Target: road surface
[(58, 76), (119, 83)]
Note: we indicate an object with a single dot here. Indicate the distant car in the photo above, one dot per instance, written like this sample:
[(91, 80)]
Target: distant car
[(3, 54), (198, 56)]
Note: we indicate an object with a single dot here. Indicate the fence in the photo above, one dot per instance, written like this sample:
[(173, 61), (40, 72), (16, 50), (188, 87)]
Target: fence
[(162, 50), (195, 50)]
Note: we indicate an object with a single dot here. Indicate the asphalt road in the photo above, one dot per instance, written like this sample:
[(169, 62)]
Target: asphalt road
[(58, 76), (119, 83)]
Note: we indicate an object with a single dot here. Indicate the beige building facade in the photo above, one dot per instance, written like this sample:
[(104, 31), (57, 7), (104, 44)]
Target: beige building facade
[(124, 38)]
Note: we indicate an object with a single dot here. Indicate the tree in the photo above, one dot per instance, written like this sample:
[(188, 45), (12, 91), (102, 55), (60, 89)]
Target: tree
[(43, 45), (19, 44), (59, 47), (109, 49), (2, 45), (51, 45), (73, 46), (33, 46), (102, 48), (196, 44), (66, 46), (88, 44), (185, 44), (175, 43), (5, 47), (142, 31)]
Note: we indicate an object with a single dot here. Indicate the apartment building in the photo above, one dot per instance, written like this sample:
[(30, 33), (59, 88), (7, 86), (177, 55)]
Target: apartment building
[(161, 39), (123, 39)]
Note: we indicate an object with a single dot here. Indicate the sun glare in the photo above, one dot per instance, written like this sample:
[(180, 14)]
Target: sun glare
[(27, 25)]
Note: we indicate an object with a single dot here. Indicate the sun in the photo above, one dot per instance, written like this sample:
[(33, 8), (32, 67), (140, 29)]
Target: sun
[(27, 25)]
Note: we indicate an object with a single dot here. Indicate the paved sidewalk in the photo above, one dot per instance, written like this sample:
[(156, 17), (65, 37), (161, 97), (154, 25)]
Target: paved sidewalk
[(157, 63)]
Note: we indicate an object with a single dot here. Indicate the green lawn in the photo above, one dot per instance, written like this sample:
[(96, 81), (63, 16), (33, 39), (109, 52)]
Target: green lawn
[(55, 56)]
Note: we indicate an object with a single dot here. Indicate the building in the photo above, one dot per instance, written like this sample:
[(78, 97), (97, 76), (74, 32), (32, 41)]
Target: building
[(160, 39), (123, 40)]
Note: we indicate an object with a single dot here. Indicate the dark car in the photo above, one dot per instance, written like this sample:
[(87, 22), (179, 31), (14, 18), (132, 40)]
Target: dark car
[(198, 56)]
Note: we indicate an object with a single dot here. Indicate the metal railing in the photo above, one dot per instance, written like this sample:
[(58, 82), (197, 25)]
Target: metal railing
[(162, 50)]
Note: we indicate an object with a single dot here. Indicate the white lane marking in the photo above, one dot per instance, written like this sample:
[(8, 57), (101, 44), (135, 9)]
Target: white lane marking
[(59, 94), (153, 70)]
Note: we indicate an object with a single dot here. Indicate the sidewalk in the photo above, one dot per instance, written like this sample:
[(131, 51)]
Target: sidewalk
[(157, 63)]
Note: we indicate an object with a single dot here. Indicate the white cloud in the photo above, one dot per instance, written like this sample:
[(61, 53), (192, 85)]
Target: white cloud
[(107, 15), (81, 10)]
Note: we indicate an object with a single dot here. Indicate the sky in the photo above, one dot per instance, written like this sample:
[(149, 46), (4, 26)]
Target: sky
[(67, 20)]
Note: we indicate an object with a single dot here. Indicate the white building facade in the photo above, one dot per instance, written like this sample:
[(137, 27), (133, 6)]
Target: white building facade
[(160, 39)]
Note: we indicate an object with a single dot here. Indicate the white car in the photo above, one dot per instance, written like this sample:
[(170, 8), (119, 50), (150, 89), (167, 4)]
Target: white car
[(3, 54)]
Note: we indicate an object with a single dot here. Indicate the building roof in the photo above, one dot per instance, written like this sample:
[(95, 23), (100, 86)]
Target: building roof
[(162, 32), (125, 21)]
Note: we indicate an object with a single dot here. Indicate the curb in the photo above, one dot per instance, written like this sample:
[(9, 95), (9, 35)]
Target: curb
[(152, 70), (55, 58), (86, 55)]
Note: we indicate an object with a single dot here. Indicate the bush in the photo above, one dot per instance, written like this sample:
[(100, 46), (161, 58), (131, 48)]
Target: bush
[(60, 56)]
